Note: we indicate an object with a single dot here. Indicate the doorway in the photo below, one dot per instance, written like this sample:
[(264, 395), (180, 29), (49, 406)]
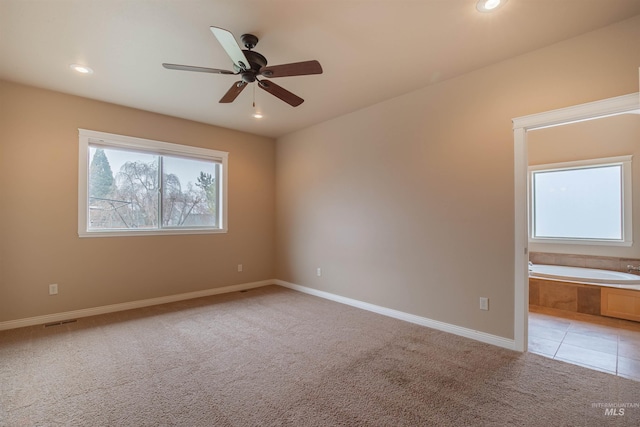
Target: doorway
[(521, 126)]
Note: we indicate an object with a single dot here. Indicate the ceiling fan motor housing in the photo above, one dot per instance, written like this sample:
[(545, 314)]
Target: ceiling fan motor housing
[(256, 61)]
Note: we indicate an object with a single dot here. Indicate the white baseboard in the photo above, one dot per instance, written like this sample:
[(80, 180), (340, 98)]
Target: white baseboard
[(412, 318), (75, 314)]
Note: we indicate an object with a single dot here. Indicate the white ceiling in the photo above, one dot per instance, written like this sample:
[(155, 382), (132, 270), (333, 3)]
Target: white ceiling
[(371, 50)]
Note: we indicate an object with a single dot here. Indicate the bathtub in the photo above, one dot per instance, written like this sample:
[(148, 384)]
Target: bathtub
[(585, 290), (614, 279)]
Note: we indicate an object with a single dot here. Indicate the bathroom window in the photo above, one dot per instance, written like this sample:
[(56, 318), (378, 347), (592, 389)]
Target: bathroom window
[(132, 186), (583, 202)]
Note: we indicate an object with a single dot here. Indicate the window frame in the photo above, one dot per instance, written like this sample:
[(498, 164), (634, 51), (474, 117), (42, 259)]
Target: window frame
[(109, 140), (626, 200)]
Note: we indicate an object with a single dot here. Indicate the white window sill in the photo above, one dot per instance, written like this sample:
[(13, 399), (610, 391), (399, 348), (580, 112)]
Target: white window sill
[(584, 242), (165, 232)]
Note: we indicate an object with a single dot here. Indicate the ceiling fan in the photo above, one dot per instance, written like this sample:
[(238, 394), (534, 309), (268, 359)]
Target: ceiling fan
[(250, 65)]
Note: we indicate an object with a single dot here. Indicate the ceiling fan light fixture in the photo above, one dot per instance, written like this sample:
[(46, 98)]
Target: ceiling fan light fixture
[(486, 6), (82, 69), (257, 116)]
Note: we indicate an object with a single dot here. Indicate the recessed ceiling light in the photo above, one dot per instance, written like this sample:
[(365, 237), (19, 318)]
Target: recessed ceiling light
[(489, 5), (257, 116), (82, 69)]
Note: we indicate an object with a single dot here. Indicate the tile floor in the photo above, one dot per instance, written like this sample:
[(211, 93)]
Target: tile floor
[(601, 343)]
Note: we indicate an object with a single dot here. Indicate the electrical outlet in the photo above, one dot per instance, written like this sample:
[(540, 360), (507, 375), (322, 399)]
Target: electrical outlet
[(53, 289), (319, 272), (239, 268), (484, 303)]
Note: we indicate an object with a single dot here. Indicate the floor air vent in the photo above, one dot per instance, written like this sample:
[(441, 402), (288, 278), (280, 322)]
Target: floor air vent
[(62, 322)]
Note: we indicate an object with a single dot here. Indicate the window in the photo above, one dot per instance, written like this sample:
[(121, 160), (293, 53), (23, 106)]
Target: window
[(585, 202), (133, 186)]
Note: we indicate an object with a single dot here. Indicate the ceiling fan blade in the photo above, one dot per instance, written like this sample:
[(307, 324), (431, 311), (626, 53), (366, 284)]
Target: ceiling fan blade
[(230, 45), (294, 69), (198, 69), (280, 92), (233, 93)]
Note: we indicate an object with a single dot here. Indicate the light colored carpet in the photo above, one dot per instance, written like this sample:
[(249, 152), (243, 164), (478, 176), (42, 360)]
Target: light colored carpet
[(272, 356)]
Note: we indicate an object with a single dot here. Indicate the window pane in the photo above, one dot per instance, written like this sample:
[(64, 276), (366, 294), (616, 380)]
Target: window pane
[(579, 203), (190, 196), (123, 189)]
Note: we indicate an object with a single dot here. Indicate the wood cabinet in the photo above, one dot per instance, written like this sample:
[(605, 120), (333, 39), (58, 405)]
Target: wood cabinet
[(620, 303)]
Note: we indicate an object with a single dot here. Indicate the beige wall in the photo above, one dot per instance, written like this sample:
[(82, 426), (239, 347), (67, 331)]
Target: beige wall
[(408, 204), (38, 210), (605, 137)]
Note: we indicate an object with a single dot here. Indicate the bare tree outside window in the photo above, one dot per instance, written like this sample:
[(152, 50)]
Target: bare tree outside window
[(131, 199)]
